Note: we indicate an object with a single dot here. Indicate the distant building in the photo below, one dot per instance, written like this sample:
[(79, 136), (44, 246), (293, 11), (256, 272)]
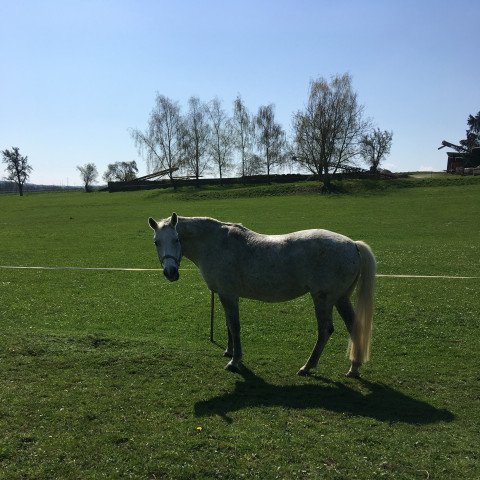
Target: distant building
[(465, 163), (455, 160)]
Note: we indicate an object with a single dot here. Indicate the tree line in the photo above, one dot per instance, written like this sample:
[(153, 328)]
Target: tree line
[(206, 138), (116, 172), (330, 134)]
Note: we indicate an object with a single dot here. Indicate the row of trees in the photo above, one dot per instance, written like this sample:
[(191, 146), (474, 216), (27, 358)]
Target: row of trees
[(116, 172), (205, 138), (329, 135), (18, 170)]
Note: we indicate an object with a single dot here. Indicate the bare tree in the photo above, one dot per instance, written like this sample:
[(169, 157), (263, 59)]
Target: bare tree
[(270, 137), (18, 169), (195, 137), (254, 165), (328, 132), (88, 174), (243, 128), (121, 171), (161, 142), (220, 143), (375, 146)]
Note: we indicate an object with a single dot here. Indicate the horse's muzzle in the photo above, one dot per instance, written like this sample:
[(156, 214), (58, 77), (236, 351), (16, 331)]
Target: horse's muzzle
[(171, 273)]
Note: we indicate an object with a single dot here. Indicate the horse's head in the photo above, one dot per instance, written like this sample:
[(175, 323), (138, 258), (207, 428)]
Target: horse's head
[(168, 245)]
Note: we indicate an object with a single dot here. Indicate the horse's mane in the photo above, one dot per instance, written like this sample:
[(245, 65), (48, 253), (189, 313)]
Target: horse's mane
[(218, 223), (236, 230), (231, 228), (238, 226)]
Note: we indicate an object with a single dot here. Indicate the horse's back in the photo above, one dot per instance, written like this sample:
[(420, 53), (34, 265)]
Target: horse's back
[(325, 260), (282, 267)]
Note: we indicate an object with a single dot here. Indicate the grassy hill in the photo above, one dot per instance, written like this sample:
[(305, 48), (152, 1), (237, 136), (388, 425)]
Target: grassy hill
[(110, 374)]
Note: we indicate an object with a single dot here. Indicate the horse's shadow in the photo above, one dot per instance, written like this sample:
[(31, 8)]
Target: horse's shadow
[(379, 402)]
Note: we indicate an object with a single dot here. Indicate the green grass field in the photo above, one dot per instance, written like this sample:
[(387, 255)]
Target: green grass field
[(110, 374)]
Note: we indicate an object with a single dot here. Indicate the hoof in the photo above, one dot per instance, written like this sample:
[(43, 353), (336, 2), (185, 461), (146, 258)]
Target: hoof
[(352, 374), (302, 372), (232, 368), (227, 354)]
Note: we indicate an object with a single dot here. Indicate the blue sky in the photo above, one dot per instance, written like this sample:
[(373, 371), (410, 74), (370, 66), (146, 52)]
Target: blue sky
[(77, 75)]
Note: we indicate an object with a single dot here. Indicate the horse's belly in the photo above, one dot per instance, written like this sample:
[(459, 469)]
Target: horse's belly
[(272, 287), (273, 293)]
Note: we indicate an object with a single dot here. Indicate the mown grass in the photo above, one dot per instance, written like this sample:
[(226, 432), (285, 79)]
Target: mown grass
[(111, 374)]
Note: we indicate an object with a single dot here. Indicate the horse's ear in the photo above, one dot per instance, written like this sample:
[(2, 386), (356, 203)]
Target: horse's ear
[(153, 224), (174, 220)]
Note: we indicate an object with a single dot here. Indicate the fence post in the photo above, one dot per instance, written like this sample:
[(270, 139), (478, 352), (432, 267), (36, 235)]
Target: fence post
[(212, 313)]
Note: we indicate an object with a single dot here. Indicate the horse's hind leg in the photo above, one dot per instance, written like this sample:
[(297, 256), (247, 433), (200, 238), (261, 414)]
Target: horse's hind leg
[(232, 316), (346, 311), (323, 312), (229, 351)]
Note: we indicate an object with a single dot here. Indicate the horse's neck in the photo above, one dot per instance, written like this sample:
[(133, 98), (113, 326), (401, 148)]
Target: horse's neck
[(194, 233)]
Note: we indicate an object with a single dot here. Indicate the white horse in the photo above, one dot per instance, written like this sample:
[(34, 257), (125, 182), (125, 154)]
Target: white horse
[(237, 262)]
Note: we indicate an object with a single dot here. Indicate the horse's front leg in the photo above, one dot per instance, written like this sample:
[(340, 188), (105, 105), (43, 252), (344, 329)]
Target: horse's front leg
[(232, 316)]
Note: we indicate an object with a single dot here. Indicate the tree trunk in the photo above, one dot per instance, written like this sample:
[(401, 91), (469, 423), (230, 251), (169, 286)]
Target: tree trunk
[(20, 184), (172, 181), (326, 179)]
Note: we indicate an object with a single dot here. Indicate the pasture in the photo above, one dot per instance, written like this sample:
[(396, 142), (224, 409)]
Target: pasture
[(110, 374)]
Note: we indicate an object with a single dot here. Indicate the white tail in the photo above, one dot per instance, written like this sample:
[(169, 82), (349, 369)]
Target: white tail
[(359, 346)]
